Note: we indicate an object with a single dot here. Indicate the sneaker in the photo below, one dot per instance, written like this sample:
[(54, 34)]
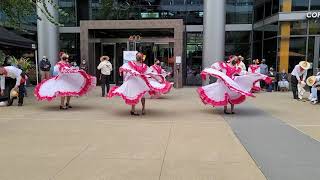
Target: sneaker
[(314, 102)]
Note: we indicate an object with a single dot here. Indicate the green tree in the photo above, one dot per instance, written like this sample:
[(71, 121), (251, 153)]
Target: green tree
[(19, 12)]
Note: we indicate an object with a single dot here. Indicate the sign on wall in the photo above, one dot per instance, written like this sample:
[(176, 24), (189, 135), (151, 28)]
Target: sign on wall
[(129, 56), (313, 15)]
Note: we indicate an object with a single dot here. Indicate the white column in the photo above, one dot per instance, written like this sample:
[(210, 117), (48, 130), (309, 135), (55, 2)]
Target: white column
[(48, 35), (213, 32)]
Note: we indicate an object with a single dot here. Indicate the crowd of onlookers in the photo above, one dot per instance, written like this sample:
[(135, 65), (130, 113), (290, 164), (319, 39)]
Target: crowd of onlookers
[(296, 81)]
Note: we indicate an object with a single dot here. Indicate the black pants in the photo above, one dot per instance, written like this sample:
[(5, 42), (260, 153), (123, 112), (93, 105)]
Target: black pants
[(105, 81), (294, 86), (21, 92)]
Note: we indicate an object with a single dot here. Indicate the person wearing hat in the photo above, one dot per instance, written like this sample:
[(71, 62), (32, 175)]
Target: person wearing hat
[(106, 68), (314, 83), (241, 65), (18, 87), (45, 66), (298, 77)]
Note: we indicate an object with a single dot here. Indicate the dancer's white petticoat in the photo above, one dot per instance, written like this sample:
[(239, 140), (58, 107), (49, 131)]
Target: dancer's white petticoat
[(161, 78), (138, 81), (253, 68), (68, 82), (228, 88)]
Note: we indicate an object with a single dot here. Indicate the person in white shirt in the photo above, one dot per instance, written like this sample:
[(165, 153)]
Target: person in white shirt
[(106, 68), (314, 82), (14, 73), (298, 77), (241, 65)]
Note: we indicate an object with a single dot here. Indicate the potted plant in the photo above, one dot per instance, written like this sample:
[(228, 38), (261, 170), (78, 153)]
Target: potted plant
[(26, 66)]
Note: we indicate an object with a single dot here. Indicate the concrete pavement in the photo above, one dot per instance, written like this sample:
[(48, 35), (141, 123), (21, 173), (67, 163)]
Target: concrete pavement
[(179, 138)]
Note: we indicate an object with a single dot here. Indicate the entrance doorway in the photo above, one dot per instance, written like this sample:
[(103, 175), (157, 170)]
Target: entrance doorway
[(163, 51), (95, 32)]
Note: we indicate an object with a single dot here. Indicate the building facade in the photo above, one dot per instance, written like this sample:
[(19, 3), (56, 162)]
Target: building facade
[(283, 32), (286, 32), (167, 29)]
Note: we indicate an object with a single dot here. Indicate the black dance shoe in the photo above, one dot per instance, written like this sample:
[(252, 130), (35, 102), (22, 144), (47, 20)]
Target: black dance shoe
[(68, 106), (134, 113)]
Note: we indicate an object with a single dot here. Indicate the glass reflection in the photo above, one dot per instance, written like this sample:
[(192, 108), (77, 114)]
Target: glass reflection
[(314, 4), (189, 10), (239, 11), (69, 6)]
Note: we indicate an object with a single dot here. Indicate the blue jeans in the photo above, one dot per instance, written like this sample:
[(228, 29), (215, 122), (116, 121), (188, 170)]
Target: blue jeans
[(314, 94)]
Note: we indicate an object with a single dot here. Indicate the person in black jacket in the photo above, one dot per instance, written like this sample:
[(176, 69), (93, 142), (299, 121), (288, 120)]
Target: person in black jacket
[(45, 66)]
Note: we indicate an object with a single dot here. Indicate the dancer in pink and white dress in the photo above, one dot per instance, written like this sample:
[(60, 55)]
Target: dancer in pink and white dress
[(68, 82), (255, 68), (139, 80), (161, 78), (229, 88)]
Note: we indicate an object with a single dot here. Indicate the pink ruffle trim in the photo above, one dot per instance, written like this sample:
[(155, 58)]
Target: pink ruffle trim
[(266, 79), (128, 101), (228, 85), (87, 86), (206, 100)]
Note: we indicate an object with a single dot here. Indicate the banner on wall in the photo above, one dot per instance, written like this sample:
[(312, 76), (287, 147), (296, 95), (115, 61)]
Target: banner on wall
[(129, 56)]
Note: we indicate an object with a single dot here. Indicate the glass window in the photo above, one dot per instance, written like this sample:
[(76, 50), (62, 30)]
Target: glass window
[(300, 5), (270, 52), (268, 8), (194, 59), (237, 37), (69, 7), (70, 43), (299, 28), (258, 10), (314, 27), (314, 4), (297, 51), (238, 43), (270, 30), (275, 6), (239, 11), (189, 10), (311, 49), (257, 45)]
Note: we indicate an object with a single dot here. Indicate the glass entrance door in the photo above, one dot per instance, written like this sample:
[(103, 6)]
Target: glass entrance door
[(109, 49)]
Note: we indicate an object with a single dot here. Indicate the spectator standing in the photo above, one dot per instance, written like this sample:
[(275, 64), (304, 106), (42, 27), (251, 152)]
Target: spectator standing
[(264, 71), (299, 75), (84, 65), (45, 67), (105, 67)]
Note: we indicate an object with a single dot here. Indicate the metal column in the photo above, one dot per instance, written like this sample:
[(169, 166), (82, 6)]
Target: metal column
[(48, 35)]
